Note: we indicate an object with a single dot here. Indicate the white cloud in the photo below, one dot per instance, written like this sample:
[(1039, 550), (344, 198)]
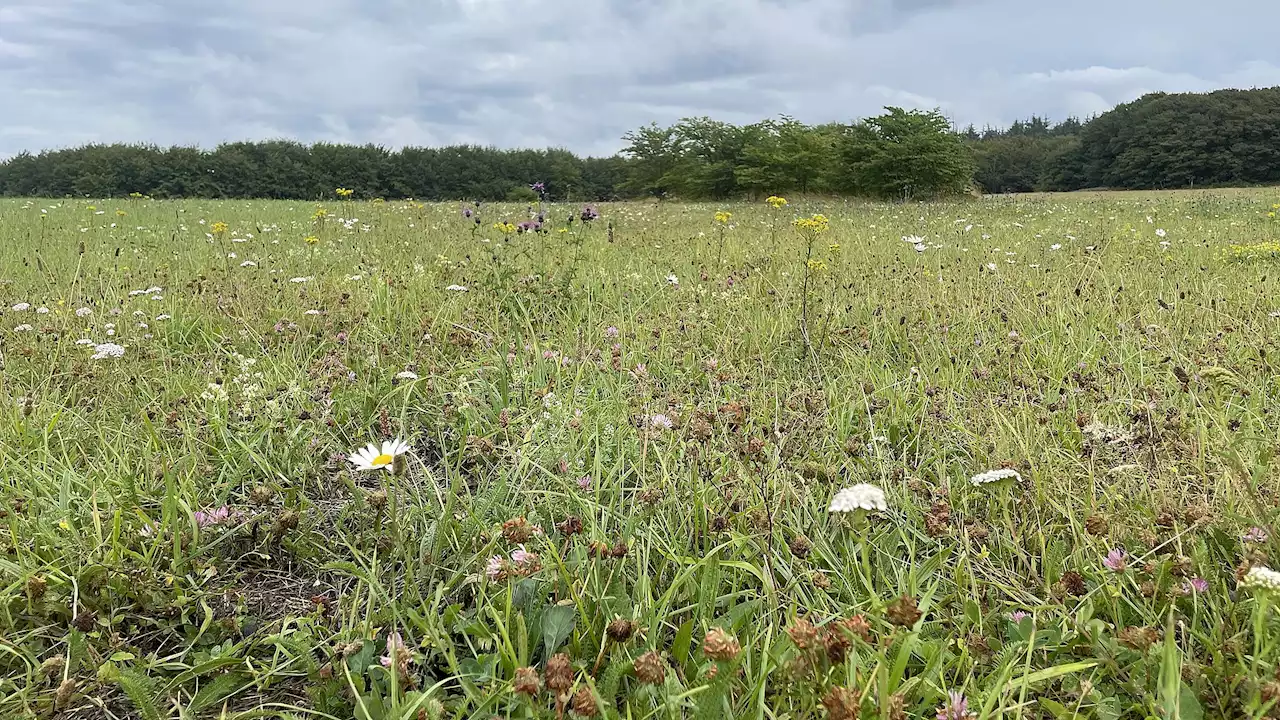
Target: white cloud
[(579, 75)]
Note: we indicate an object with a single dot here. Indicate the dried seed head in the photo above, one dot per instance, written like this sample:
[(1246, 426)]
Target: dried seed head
[(378, 499), (1139, 638), (650, 668), (1097, 524), (903, 612), (288, 520), (65, 691), (261, 495), (571, 526), (559, 673), (527, 681), (803, 634), (841, 703), (584, 703), (720, 645), (53, 666), (85, 620), (36, 586), (1072, 583), (800, 546), (517, 530), (621, 630)]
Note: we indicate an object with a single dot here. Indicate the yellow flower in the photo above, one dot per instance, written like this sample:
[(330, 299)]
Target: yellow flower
[(219, 228), (1271, 214), (817, 265), (311, 239), (834, 248), (722, 217), (815, 223), (505, 228), (776, 202), (120, 213), (91, 208), (320, 213), (344, 192), (136, 195), (378, 201)]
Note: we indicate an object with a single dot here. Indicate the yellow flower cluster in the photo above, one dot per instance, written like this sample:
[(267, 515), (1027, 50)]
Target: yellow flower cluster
[(219, 228), (776, 202), (815, 223), (1256, 251), (320, 214), (834, 248), (817, 265), (311, 239), (344, 192), (722, 217), (505, 228)]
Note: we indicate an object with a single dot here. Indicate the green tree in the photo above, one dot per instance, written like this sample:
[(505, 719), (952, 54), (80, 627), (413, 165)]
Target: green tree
[(905, 154)]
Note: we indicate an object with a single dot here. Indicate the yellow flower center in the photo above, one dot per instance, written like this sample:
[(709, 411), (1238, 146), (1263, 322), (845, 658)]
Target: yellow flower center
[(383, 459)]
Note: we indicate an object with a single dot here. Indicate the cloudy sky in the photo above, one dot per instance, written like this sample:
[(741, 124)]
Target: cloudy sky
[(580, 74)]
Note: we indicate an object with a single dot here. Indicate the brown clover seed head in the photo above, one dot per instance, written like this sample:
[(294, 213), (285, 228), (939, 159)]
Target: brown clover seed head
[(803, 634), (63, 697), (352, 648), (559, 673), (650, 669), (584, 703), (1097, 524), (260, 495), (571, 526), (800, 546), (1073, 583), (720, 645), (517, 530), (841, 703), (621, 630), (527, 682), (85, 620), (903, 611), (53, 666), (856, 625), (1139, 638), (288, 520), (36, 586)]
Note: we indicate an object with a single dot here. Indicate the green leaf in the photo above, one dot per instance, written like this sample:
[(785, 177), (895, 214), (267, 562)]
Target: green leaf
[(141, 691), (557, 623), (1189, 705), (1052, 672), (219, 689), (684, 640)]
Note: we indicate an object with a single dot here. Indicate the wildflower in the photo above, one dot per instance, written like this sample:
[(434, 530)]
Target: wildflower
[(660, 421), (589, 213), (1115, 560), (42, 311), (1056, 246), (344, 192), (1262, 578), (650, 669), (311, 239), (722, 217), (20, 307), (522, 557), (505, 228), (395, 648), (776, 202), (373, 457), (611, 332), (22, 328), (1160, 232), (991, 267), (539, 187), (248, 263), (457, 288), (816, 265), (84, 312), (1255, 535), (720, 645), (1195, 585), (814, 223), (107, 350), (527, 681), (1018, 616), (903, 612), (992, 476), (584, 482), (585, 703), (163, 316), (495, 568), (313, 311), (920, 247), (308, 278), (912, 239), (834, 248), (406, 375), (956, 708), (559, 673), (213, 517), (85, 341), (673, 280), (219, 228), (862, 497)]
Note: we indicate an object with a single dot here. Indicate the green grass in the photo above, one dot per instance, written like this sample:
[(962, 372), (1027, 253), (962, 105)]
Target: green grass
[(1129, 383)]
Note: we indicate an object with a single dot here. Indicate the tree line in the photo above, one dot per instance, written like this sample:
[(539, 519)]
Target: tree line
[(1227, 137)]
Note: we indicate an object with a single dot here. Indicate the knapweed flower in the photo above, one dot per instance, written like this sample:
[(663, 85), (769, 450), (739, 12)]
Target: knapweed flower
[(955, 708), (107, 350), (862, 497), (217, 516), (539, 187), (467, 212), (1115, 560), (776, 202), (1255, 535), (722, 217), (374, 457), (1195, 585), (589, 213), (1261, 578), (992, 476)]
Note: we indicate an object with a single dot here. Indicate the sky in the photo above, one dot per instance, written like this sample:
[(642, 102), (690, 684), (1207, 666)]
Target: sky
[(539, 73)]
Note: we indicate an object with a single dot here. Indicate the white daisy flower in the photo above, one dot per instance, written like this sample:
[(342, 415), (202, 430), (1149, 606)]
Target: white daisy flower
[(374, 457), (862, 497), (912, 239), (991, 476), (1056, 246), (248, 263), (672, 279), (1160, 232)]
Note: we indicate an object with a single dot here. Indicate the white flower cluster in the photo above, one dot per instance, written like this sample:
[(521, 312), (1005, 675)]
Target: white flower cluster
[(107, 350), (1263, 578), (863, 496), (991, 476)]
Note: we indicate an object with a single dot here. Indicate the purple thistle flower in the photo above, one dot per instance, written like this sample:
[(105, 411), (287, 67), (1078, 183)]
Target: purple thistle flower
[(539, 187), (589, 213), (467, 213), (1115, 560), (956, 707)]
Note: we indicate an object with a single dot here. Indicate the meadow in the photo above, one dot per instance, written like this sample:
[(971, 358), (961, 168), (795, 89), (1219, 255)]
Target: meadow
[(1006, 457)]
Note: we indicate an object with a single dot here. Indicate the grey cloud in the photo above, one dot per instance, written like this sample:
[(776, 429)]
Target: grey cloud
[(579, 75)]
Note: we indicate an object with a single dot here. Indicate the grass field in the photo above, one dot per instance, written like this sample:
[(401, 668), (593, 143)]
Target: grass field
[(623, 440)]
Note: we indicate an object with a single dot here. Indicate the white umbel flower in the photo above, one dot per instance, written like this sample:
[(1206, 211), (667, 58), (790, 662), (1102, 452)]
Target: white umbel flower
[(992, 476), (406, 375), (107, 350), (375, 457), (457, 288), (861, 497), (1262, 578)]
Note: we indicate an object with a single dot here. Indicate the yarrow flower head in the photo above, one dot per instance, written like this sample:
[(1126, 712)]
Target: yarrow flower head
[(107, 350), (776, 202), (375, 457), (457, 288), (84, 312), (1261, 578), (20, 307), (993, 476), (861, 498)]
